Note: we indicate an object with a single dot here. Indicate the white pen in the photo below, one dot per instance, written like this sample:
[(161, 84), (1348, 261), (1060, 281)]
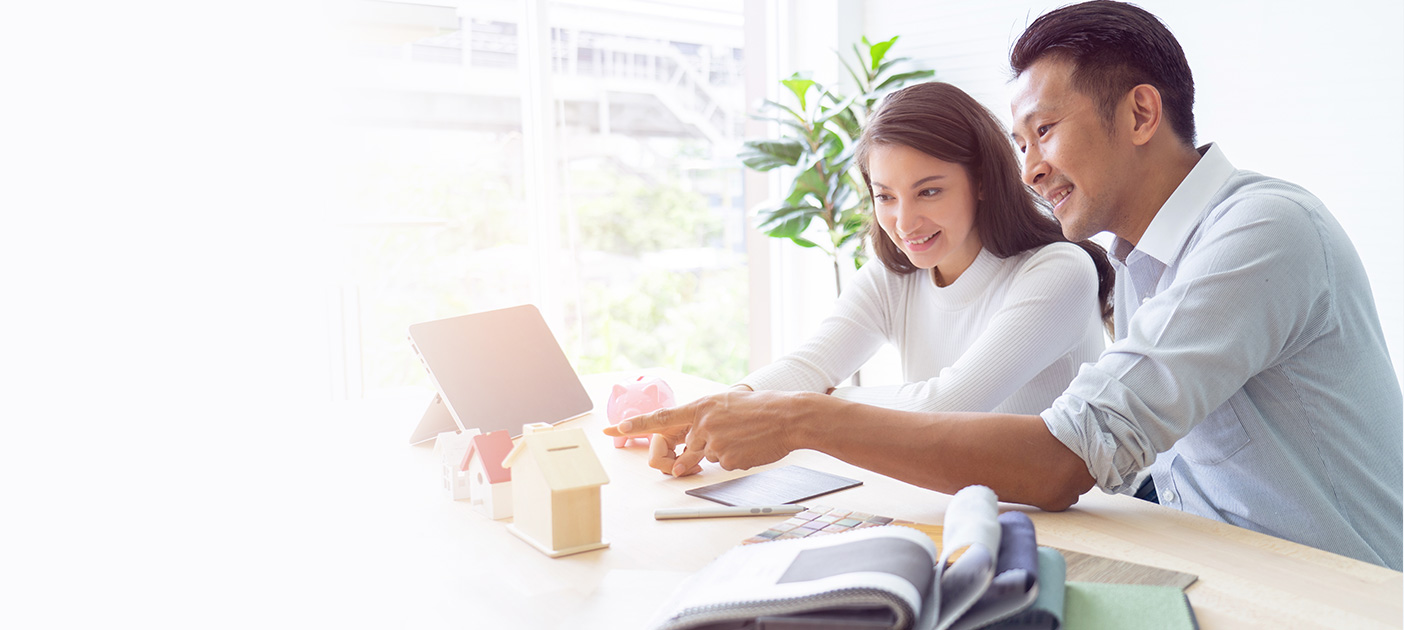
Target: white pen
[(726, 510)]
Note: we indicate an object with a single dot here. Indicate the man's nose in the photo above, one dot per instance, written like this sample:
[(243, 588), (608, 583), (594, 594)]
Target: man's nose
[(1035, 169)]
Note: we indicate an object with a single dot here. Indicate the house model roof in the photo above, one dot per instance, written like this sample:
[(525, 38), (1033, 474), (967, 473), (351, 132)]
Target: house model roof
[(564, 457), (492, 448)]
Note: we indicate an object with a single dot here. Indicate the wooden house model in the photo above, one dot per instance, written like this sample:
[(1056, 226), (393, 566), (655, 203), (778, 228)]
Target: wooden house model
[(450, 447), (490, 485), (556, 479)]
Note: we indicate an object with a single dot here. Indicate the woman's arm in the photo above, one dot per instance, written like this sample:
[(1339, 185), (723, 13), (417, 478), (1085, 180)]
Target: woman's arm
[(859, 325)]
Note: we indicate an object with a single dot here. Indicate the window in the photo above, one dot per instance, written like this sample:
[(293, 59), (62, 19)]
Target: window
[(576, 155)]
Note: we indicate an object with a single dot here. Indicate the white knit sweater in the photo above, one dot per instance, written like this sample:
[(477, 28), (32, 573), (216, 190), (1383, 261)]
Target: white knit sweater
[(1007, 336)]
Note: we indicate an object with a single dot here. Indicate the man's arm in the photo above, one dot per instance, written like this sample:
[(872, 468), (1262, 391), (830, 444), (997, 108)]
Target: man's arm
[(1014, 455)]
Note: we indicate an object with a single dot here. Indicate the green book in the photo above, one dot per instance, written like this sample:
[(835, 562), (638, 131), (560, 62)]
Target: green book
[(1092, 606)]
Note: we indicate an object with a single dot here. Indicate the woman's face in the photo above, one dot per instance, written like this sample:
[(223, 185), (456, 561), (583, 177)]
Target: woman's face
[(927, 207)]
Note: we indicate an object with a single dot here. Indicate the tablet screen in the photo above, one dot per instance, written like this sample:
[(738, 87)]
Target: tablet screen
[(500, 369)]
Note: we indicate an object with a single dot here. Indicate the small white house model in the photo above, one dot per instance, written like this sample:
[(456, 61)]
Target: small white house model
[(450, 446), (556, 481), (490, 485)]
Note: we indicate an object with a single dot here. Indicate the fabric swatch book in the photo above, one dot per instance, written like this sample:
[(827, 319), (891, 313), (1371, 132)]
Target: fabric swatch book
[(878, 577), (988, 572)]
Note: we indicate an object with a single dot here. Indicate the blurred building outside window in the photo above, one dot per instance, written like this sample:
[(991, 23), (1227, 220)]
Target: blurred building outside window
[(575, 155)]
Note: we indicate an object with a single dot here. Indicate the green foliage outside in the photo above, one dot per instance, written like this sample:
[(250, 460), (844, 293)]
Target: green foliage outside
[(643, 215), (693, 320)]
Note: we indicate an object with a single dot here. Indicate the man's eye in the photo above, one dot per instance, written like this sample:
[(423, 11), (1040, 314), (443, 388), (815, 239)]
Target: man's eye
[(1044, 129)]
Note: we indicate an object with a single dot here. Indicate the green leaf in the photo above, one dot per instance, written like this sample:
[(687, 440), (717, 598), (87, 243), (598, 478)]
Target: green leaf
[(843, 162), (831, 148), (855, 217), (862, 84), (799, 86), (856, 183), (784, 211), (879, 50), (848, 122), (887, 64), (837, 109), (798, 128), (812, 182), (764, 155), (771, 216), (863, 62), (850, 237), (898, 80), (840, 197), (767, 103), (789, 228)]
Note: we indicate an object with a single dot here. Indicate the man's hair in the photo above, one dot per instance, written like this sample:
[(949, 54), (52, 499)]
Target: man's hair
[(1113, 46), (942, 121)]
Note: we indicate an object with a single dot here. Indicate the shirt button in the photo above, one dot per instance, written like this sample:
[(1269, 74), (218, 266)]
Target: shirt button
[(1168, 495), (1145, 299)]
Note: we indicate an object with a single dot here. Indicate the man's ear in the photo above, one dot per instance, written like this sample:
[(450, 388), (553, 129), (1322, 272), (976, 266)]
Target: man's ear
[(1146, 112)]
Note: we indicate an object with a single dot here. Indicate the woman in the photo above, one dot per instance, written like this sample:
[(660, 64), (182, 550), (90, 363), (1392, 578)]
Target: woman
[(989, 306)]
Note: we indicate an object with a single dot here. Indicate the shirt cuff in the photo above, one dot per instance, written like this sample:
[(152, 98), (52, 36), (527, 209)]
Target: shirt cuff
[(781, 376), (1114, 448)]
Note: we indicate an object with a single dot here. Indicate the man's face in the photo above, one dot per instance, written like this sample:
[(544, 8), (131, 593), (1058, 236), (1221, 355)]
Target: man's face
[(1071, 158)]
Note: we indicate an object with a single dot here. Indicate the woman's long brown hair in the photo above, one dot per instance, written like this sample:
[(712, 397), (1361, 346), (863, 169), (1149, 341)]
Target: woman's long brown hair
[(944, 122)]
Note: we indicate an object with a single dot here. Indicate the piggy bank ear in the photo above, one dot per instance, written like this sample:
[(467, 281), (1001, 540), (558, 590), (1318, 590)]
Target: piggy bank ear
[(617, 391), (651, 391)]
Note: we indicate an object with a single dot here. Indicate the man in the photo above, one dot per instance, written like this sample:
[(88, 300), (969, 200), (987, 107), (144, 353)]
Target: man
[(1249, 381)]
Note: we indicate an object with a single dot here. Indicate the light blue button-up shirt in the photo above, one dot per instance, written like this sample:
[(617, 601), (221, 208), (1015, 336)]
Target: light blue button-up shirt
[(1250, 374)]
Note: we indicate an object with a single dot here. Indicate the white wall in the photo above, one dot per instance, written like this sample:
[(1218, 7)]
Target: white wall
[(1289, 88)]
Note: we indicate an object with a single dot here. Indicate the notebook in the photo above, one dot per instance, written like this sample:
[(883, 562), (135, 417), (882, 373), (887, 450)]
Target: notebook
[(495, 370)]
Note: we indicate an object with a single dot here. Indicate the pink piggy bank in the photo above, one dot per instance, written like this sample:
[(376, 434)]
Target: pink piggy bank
[(640, 396)]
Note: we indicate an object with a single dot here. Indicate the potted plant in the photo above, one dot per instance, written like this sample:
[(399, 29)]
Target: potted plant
[(818, 136)]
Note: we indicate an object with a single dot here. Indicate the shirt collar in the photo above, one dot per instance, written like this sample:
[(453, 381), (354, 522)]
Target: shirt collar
[(1172, 224)]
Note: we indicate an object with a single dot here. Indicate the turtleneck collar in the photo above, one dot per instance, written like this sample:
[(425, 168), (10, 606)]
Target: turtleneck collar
[(970, 285)]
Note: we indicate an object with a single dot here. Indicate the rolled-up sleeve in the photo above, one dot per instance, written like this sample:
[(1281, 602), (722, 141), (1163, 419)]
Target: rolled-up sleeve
[(1099, 432)]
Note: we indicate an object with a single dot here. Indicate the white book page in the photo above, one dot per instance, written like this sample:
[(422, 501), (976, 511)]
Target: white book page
[(757, 572)]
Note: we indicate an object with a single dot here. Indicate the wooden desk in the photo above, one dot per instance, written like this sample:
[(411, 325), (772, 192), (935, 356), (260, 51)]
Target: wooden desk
[(403, 555)]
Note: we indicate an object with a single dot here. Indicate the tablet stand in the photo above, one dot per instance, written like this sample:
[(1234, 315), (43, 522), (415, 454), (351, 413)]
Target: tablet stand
[(436, 419)]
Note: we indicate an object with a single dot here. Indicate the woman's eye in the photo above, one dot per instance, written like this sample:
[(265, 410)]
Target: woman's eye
[(931, 192), (882, 197)]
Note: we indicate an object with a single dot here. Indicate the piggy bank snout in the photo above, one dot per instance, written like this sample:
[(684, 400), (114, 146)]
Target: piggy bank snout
[(629, 412)]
